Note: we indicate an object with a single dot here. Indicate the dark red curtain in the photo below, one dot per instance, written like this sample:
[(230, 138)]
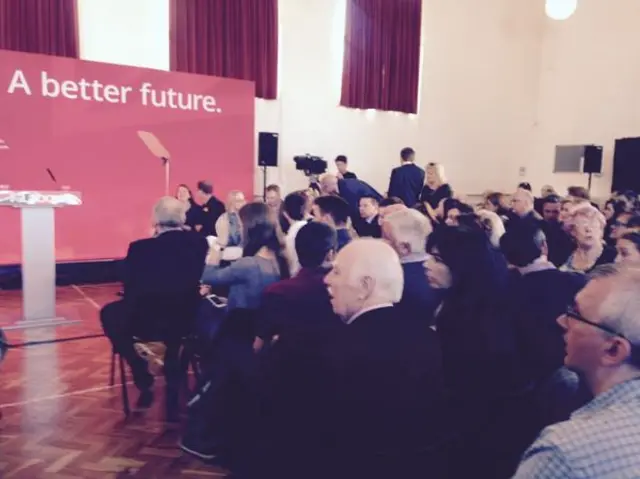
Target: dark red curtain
[(227, 38), (39, 26), (381, 67)]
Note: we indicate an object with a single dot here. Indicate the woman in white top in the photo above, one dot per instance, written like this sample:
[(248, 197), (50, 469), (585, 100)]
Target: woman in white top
[(228, 226)]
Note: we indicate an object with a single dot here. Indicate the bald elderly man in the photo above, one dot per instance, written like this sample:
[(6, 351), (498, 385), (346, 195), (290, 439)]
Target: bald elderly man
[(383, 397), (350, 190), (522, 206)]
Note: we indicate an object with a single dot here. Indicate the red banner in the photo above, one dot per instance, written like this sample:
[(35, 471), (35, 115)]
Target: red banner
[(108, 131)]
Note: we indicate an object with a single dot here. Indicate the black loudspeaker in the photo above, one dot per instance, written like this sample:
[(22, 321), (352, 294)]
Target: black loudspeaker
[(267, 149), (592, 159), (626, 165)]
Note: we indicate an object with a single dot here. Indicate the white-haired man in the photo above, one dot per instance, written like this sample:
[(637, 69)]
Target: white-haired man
[(407, 230), (602, 439), (383, 395), (161, 276), (350, 190)]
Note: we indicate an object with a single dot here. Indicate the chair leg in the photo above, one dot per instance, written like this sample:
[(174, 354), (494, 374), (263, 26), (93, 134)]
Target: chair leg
[(112, 373), (125, 393)]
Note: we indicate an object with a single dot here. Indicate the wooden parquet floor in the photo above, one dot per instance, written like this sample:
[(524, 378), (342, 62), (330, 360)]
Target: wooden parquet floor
[(62, 420)]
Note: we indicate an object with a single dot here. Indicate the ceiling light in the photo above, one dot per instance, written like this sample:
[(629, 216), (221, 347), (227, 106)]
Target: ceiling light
[(560, 9)]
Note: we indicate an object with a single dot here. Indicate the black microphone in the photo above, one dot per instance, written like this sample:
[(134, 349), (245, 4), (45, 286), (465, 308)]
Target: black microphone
[(53, 178)]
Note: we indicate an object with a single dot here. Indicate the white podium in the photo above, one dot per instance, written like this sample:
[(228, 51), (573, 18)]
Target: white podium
[(37, 210)]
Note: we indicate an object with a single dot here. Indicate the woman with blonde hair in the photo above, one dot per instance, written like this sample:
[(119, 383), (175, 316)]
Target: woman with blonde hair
[(586, 225), (228, 226), (435, 187)]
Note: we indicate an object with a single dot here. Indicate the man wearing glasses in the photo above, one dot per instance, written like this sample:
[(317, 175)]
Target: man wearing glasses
[(602, 335)]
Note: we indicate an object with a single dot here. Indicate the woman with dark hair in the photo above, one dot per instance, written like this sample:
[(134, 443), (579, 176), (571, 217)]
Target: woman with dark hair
[(628, 247), (452, 208), (613, 208), (262, 262), (183, 193), (479, 350), (222, 414)]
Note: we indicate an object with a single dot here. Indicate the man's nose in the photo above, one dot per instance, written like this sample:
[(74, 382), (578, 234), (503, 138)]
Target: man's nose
[(562, 321)]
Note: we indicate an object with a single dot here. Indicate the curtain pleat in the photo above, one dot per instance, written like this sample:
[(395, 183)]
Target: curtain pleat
[(227, 38), (381, 65)]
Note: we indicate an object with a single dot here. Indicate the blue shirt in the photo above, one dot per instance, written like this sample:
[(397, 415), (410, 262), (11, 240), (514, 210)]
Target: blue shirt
[(600, 441)]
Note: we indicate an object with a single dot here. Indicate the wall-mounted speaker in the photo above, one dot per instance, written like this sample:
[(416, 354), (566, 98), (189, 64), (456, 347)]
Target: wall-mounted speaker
[(592, 159), (267, 149), (626, 165)]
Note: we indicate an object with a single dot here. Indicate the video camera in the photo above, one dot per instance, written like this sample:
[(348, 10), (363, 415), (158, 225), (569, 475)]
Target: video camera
[(310, 165)]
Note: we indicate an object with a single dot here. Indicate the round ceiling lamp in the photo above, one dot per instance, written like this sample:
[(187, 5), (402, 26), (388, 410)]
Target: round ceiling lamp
[(560, 9)]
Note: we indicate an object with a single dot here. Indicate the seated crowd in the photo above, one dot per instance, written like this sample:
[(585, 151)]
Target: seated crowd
[(363, 336)]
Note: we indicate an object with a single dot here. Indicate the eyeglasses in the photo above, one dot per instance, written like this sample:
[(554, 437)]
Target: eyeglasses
[(571, 312)]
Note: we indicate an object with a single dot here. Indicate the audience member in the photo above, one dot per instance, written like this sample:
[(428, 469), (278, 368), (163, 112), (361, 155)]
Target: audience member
[(228, 227), (492, 225), (628, 247), (261, 265), (295, 212), (388, 206), (407, 180), (522, 205), (602, 335), (559, 243), (407, 231), (160, 278), (383, 403), (479, 350), (538, 295), (343, 172), (435, 187), (350, 190), (586, 225), (368, 224), (183, 193), (334, 211), (452, 209), (211, 209)]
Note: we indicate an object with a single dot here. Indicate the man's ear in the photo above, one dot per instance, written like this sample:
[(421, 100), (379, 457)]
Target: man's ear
[(617, 351), (368, 285)]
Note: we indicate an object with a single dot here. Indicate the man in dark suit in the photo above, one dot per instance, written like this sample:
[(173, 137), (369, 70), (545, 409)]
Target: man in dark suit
[(349, 190), (407, 180), (407, 230), (210, 210), (343, 172), (368, 224), (161, 278), (383, 405)]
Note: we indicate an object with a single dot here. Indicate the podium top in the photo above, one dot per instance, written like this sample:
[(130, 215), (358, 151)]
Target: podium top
[(32, 198)]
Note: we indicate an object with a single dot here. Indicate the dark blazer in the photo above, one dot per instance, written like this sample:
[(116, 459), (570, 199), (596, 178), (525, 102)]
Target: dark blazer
[(419, 300), (350, 176), (161, 277), (536, 300), (406, 183), (209, 214), (368, 229), (352, 190), (383, 396)]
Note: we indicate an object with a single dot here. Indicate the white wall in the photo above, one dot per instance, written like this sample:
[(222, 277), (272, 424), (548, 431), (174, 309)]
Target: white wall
[(478, 94), (589, 87)]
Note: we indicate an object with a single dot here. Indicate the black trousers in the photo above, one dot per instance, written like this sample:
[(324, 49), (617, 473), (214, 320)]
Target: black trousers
[(117, 326)]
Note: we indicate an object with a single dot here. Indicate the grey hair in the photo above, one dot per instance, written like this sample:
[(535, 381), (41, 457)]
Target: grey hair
[(621, 308), (169, 212), (410, 227)]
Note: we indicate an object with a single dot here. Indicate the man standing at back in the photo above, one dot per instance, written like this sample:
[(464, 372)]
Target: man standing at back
[(407, 180)]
